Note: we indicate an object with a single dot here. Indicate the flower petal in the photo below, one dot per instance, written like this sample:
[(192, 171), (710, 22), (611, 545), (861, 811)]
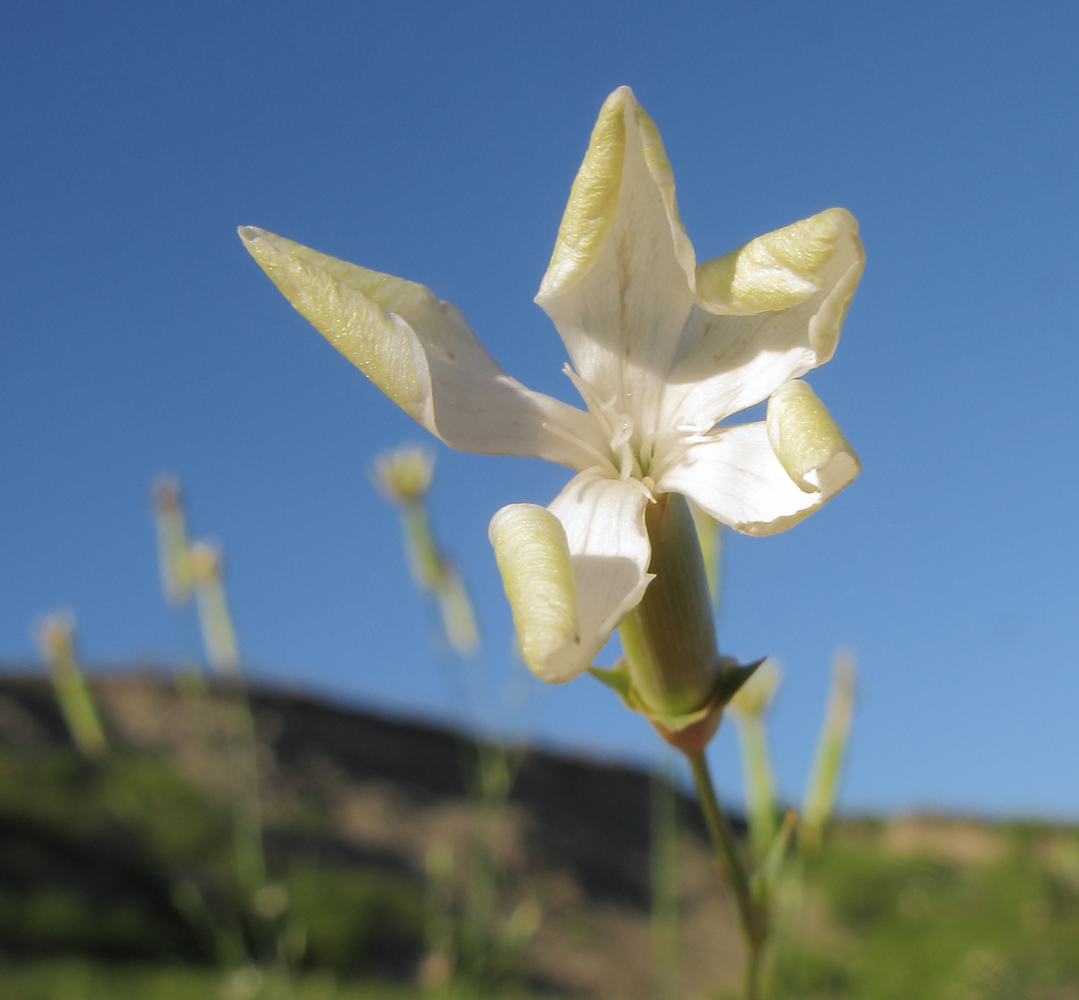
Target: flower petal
[(766, 313), (609, 549), (621, 279), (808, 442), (734, 476), (533, 558), (422, 354)]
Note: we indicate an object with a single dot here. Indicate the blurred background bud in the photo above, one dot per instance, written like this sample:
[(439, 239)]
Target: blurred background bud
[(404, 474), (55, 637), (172, 548), (218, 635)]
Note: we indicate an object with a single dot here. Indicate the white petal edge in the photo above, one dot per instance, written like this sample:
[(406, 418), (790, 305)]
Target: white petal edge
[(735, 352), (733, 475), (621, 280), (421, 353), (609, 549)]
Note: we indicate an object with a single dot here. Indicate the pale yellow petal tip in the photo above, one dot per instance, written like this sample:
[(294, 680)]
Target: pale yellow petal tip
[(362, 313), (786, 267), (533, 557), (808, 442), (593, 200)]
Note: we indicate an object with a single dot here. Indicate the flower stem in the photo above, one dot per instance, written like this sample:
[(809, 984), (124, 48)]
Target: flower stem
[(754, 922)]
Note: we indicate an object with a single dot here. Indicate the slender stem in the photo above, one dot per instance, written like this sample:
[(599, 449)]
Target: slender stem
[(753, 970), (753, 926)]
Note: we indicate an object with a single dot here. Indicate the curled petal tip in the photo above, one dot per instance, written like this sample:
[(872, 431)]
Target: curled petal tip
[(782, 268), (534, 560), (613, 171), (249, 233), (593, 201), (808, 442)]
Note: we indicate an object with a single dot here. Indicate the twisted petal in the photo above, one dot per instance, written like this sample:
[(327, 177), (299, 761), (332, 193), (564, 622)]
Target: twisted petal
[(765, 314), (595, 527), (420, 352), (621, 279), (734, 476)]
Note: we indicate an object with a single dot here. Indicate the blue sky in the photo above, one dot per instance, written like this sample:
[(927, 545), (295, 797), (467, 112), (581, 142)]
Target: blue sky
[(438, 142)]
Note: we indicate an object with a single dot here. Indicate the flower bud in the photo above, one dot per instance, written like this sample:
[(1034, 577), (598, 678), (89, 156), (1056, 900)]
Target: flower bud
[(56, 639), (404, 475), (218, 635), (205, 561), (171, 541)]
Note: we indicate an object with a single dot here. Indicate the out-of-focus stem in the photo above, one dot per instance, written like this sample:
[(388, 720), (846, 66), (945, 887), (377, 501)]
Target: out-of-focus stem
[(760, 784), (223, 653), (749, 707), (754, 921), (831, 749), (664, 872), (434, 574)]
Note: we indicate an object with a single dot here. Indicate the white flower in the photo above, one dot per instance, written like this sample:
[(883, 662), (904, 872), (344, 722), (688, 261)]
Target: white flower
[(662, 350)]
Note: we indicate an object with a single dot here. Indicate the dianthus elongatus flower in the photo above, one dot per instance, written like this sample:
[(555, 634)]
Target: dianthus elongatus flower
[(662, 350)]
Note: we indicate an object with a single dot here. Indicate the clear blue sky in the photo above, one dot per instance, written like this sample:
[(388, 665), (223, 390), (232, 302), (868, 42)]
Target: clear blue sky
[(438, 142)]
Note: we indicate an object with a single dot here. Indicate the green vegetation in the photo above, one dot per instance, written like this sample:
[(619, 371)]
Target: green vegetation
[(955, 911), (117, 880), (77, 979), (126, 861)]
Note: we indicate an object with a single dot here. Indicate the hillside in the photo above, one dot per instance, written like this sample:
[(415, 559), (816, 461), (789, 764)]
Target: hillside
[(381, 847)]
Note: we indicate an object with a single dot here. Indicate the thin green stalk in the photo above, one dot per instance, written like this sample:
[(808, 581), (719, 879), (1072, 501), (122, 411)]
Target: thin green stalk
[(760, 785), (664, 872), (223, 653), (754, 928), (247, 805)]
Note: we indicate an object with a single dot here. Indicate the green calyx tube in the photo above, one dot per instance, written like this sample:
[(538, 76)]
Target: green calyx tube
[(669, 639)]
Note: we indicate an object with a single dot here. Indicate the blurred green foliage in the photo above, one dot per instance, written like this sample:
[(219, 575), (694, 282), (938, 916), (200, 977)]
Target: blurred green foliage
[(117, 881), (124, 860), (79, 979), (991, 914)]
